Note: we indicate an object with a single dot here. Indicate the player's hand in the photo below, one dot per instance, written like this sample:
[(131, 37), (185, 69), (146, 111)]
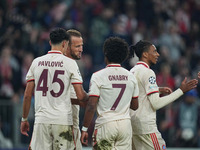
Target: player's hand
[(24, 128), (165, 90), (199, 75), (188, 85), (84, 138)]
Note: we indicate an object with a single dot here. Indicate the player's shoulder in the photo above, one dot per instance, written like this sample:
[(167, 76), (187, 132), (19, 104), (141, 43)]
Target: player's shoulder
[(65, 58), (39, 58), (142, 73), (126, 71), (100, 71), (146, 73), (60, 57), (150, 72), (141, 69), (67, 61)]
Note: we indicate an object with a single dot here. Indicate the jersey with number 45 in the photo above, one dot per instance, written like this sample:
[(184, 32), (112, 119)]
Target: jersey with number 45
[(53, 73), (115, 87)]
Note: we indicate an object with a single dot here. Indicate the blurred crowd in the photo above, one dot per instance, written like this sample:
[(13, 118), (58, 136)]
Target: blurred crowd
[(172, 25)]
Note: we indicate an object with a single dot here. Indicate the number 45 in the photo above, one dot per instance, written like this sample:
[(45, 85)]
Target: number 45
[(44, 78)]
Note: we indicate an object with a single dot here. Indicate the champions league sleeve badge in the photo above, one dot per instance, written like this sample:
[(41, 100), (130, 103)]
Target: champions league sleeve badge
[(78, 72), (152, 80)]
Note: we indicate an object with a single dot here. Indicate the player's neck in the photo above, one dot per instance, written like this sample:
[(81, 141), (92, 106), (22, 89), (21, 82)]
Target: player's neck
[(108, 63), (146, 61), (55, 48), (112, 63), (69, 55)]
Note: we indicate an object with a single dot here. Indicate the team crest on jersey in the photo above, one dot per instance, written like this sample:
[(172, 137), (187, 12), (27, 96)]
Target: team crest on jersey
[(163, 147), (152, 80)]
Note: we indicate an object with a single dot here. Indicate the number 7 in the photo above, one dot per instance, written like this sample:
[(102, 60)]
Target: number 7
[(122, 86)]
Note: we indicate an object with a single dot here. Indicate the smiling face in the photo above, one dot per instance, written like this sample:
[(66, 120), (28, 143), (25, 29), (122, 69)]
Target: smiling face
[(152, 55), (75, 48)]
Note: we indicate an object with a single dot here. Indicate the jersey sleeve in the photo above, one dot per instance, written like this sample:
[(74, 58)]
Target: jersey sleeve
[(150, 84), (159, 102), (94, 89), (76, 75), (136, 88), (30, 73)]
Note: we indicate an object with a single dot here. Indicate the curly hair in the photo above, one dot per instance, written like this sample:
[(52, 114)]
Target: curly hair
[(115, 49), (58, 35)]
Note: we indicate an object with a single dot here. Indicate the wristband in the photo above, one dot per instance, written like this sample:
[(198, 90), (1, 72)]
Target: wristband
[(24, 119), (84, 129)]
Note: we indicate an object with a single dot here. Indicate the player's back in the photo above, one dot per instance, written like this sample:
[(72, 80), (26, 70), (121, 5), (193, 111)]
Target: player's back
[(52, 74), (116, 86)]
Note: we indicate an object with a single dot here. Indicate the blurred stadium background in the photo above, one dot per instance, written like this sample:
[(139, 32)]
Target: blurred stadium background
[(172, 25)]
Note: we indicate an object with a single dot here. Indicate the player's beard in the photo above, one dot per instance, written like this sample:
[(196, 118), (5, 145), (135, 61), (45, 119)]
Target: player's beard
[(74, 56)]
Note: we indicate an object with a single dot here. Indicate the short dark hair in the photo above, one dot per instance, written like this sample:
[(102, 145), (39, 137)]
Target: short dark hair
[(73, 32), (115, 49), (139, 48), (58, 35)]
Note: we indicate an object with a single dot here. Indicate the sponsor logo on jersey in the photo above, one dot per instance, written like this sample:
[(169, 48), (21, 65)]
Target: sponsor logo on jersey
[(153, 87)]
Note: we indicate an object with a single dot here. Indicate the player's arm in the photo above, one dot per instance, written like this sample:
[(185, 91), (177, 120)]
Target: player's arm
[(90, 108), (77, 102), (26, 107), (134, 103), (80, 92), (159, 102), (165, 90), (199, 75), (89, 114), (76, 81), (74, 99)]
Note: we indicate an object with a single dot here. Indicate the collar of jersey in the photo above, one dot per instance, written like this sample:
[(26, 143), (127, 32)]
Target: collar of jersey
[(54, 52), (142, 63), (113, 65)]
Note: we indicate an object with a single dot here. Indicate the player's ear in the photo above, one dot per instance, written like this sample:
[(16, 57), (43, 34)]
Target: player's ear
[(145, 54), (68, 46), (50, 43), (65, 43)]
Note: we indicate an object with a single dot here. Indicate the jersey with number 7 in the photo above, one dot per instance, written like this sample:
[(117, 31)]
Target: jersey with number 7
[(115, 87), (53, 73)]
